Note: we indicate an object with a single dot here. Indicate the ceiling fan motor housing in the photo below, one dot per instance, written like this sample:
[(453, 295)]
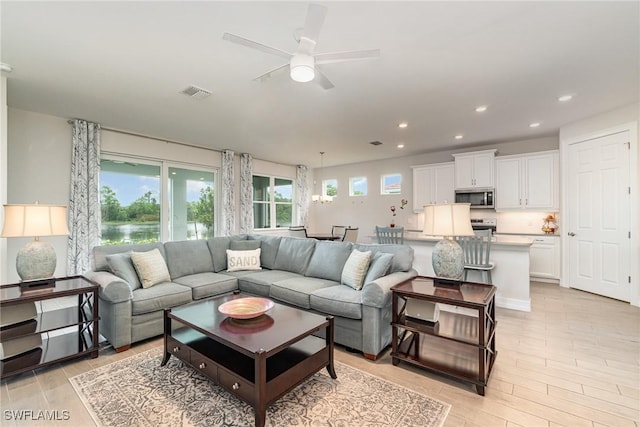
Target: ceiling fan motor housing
[(302, 68)]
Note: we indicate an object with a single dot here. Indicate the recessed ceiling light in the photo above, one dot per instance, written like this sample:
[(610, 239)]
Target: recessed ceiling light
[(565, 98), (403, 125), (534, 125), (459, 136), (400, 145), (481, 108)]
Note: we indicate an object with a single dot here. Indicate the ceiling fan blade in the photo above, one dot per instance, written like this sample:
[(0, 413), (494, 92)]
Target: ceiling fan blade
[(322, 80), (255, 45), (266, 76), (329, 57), (314, 20)]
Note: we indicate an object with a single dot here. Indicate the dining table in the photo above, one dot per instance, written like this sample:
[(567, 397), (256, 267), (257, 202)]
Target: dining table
[(323, 236)]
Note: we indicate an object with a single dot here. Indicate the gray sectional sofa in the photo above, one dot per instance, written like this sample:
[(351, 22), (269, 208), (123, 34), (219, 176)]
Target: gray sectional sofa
[(304, 273)]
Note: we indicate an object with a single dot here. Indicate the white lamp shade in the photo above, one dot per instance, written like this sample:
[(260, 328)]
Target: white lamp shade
[(34, 221), (302, 68), (448, 219)]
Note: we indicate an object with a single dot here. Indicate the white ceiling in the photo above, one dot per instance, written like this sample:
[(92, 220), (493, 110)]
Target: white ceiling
[(123, 64)]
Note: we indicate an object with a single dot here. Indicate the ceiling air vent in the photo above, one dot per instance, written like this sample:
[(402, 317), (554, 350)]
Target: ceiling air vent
[(375, 143), (196, 92)]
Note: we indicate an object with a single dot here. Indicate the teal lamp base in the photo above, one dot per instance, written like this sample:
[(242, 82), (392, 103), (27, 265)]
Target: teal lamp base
[(36, 260), (448, 260)]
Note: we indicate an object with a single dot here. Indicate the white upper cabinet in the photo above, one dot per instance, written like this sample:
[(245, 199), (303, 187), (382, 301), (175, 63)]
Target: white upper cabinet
[(474, 170), (432, 184), (528, 182)]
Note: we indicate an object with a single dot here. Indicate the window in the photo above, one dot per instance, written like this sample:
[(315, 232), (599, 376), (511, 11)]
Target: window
[(391, 184), (136, 209), (191, 197), (330, 187), (129, 202), (272, 202), (358, 186)]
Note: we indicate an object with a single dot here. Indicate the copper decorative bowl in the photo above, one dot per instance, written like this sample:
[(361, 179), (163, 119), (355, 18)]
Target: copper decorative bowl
[(246, 308)]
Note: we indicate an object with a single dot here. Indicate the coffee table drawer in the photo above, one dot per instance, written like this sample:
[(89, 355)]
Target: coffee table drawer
[(237, 385), (204, 365), (178, 349)]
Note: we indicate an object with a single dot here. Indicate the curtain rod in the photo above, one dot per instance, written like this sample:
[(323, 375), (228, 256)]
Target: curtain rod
[(124, 132)]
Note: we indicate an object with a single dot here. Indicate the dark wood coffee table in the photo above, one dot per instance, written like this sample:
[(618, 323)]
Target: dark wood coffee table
[(258, 360)]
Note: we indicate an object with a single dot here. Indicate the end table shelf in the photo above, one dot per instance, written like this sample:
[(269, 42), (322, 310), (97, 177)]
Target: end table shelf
[(32, 339), (460, 344)]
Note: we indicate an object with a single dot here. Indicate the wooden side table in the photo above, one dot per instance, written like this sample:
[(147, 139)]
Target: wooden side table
[(461, 344), (30, 341)]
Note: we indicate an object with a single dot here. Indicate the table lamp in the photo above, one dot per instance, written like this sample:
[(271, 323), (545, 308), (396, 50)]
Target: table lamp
[(448, 220), (36, 261)]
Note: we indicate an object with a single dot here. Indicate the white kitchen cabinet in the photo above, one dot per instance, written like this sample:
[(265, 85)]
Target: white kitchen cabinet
[(528, 182), (432, 184), (545, 257), (474, 170)]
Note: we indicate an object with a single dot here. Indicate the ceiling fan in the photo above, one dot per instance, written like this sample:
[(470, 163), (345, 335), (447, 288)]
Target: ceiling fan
[(303, 63)]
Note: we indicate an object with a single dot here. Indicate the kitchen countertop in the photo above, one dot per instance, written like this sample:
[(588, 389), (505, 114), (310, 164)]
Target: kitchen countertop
[(503, 239)]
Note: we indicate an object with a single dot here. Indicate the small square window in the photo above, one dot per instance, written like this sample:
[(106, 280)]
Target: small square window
[(391, 184), (330, 187), (358, 186)]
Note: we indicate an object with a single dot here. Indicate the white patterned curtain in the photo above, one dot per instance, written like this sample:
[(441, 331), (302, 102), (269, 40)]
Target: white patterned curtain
[(301, 195), (227, 228), (246, 193), (84, 200)]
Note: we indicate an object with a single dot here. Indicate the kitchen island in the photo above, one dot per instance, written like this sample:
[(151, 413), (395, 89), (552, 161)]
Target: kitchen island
[(510, 275)]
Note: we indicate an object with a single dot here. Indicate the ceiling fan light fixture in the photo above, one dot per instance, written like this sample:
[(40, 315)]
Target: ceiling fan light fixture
[(302, 68)]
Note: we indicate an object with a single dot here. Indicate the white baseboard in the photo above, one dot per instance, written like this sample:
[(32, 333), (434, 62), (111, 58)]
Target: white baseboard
[(513, 304)]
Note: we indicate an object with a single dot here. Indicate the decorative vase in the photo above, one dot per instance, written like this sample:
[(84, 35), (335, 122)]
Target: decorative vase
[(392, 225)]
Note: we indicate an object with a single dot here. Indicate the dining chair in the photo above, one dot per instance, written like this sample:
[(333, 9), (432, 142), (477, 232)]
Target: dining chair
[(390, 235), (477, 250), (338, 231), (350, 235), (298, 231)]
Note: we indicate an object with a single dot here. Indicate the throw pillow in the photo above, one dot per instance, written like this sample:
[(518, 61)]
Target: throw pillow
[(355, 269), (243, 260), (121, 265), (380, 266), (151, 267)]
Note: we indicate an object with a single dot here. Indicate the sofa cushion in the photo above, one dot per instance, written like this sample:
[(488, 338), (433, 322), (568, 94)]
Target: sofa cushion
[(244, 245), (338, 300), (379, 266), (259, 282), (218, 247), (294, 254), (243, 260), (328, 260), (99, 253), (269, 249), (297, 290), (205, 285), (355, 269), (188, 257), (159, 297), (122, 266), (402, 254), (151, 267)]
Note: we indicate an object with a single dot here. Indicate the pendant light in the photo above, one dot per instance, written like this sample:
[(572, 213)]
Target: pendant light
[(321, 198)]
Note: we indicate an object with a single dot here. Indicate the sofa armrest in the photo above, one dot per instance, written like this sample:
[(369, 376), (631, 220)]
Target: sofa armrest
[(112, 288), (378, 292)]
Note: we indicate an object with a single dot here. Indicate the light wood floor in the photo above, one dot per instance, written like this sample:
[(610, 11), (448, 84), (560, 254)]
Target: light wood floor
[(573, 361)]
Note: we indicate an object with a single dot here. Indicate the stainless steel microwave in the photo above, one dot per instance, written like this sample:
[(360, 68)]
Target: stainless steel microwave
[(481, 198)]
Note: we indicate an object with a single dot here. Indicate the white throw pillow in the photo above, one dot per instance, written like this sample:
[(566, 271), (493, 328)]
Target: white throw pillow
[(151, 267), (243, 260), (356, 268)]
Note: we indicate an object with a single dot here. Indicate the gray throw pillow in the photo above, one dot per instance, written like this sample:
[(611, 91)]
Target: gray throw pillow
[(122, 266), (380, 266)]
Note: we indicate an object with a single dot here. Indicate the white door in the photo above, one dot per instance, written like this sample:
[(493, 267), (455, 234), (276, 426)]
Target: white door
[(599, 216)]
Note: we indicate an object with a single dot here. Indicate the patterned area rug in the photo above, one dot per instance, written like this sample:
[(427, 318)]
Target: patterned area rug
[(137, 391)]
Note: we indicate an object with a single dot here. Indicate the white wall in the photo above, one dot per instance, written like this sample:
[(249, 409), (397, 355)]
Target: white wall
[(3, 173), (599, 125), (374, 209)]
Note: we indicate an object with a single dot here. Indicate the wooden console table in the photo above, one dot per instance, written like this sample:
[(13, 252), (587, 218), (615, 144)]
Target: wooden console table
[(462, 344), (25, 348)]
